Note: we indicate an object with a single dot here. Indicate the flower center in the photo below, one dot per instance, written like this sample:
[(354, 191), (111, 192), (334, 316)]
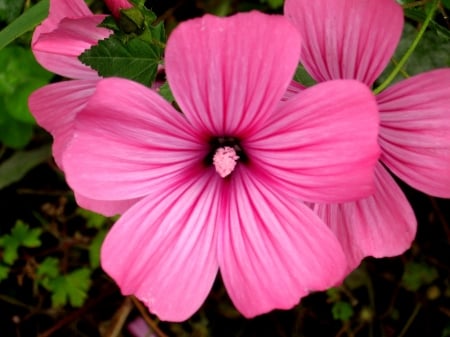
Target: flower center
[(225, 160), (224, 155)]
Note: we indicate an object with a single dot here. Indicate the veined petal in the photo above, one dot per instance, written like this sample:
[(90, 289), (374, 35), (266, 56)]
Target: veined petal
[(293, 89), (321, 144), (415, 131), (273, 250), (346, 39), (163, 248), (58, 50), (55, 107), (59, 10), (128, 141), (223, 73), (381, 225)]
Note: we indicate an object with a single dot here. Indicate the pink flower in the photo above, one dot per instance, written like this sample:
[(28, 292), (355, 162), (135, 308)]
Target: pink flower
[(354, 39), (201, 207), (66, 33), (116, 5)]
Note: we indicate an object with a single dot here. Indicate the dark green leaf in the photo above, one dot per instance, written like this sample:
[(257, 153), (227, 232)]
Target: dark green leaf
[(10, 9), (70, 288), (134, 59), (4, 271), (165, 92), (27, 21), (14, 168)]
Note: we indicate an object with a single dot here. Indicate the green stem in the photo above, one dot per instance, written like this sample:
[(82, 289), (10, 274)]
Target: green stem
[(410, 50), (410, 320)]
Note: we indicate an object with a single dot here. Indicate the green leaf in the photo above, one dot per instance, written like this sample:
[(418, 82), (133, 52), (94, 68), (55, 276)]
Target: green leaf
[(25, 236), (94, 248), (303, 77), (24, 23), (165, 92), (4, 272), (420, 15), (93, 220), (10, 9), (134, 59), (21, 235), (13, 133), (49, 268), (342, 311), (446, 3), (417, 275), (20, 163), (71, 288)]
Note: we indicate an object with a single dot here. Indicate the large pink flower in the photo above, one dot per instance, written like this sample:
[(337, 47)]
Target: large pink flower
[(220, 183), (354, 39), (69, 30)]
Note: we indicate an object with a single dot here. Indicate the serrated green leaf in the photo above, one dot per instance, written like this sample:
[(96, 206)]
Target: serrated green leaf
[(10, 247), (135, 59), (4, 272), (25, 236), (94, 248), (48, 268), (71, 288), (27, 21), (19, 164)]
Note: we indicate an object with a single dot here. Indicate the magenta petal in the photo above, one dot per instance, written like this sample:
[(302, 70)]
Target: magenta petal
[(127, 133), (346, 39), (322, 144), (381, 225), (223, 73), (116, 5), (415, 131), (163, 249), (58, 50), (55, 107), (273, 250)]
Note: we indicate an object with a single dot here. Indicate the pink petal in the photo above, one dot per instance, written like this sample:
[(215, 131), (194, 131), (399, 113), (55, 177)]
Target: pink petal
[(59, 10), (346, 39), (104, 207), (273, 250), (321, 145), (415, 131), (224, 75), (381, 225), (163, 249), (116, 5), (55, 107), (293, 89), (58, 50), (128, 141)]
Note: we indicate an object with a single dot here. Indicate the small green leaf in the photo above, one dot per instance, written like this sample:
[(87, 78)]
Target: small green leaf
[(70, 288), (417, 275), (21, 235), (20, 163), (49, 268), (134, 59), (93, 220), (342, 311), (27, 21), (25, 236)]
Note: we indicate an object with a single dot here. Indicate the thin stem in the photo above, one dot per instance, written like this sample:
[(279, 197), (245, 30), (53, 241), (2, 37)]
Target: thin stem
[(408, 53), (410, 320), (147, 318)]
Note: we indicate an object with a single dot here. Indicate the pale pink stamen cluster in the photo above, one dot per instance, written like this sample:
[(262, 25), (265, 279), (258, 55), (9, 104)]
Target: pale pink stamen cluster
[(225, 160)]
